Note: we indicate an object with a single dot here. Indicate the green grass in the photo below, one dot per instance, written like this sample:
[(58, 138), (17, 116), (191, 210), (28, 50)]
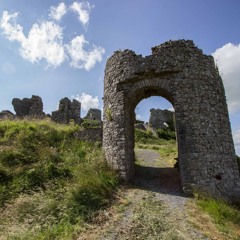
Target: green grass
[(225, 216), (147, 137), (50, 183), (166, 134), (87, 123), (165, 145)]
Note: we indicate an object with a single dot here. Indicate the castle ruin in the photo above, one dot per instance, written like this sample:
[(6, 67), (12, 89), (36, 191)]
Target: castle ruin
[(189, 80), (68, 110), (28, 107), (160, 118), (94, 114)]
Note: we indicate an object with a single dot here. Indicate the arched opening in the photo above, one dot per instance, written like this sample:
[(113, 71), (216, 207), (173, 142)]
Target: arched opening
[(155, 145)]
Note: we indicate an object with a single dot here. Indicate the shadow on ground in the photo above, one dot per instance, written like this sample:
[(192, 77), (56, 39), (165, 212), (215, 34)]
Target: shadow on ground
[(161, 180)]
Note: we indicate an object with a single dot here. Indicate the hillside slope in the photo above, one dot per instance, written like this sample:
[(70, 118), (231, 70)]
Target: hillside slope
[(50, 183)]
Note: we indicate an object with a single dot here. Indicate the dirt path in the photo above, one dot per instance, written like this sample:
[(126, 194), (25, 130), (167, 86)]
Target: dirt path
[(152, 208)]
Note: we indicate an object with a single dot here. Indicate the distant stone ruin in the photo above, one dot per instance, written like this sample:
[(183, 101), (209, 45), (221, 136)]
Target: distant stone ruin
[(28, 107), (94, 114), (68, 110), (5, 114), (160, 118)]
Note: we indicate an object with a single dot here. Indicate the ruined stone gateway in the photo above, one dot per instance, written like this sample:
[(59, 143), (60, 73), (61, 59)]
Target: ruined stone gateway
[(181, 73)]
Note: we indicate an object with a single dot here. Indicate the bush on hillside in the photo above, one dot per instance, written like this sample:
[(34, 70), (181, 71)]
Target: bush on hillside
[(166, 134), (90, 123), (145, 137)]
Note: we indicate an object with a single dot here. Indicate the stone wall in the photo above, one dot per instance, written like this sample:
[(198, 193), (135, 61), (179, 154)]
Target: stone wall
[(181, 73), (94, 114), (5, 114), (159, 118), (28, 107), (67, 111), (89, 134)]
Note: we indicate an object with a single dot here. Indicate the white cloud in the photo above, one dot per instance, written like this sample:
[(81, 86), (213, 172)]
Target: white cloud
[(82, 58), (236, 138), (227, 59), (44, 41), (58, 12), (87, 101), (83, 10), (171, 109), (12, 30), (138, 117)]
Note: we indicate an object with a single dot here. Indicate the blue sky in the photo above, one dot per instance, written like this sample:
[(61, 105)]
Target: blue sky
[(81, 35)]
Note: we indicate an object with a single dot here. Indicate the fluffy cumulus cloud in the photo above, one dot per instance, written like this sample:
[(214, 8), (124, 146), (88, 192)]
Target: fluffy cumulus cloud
[(11, 29), (83, 10), (58, 12), (82, 58), (227, 59), (45, 40), (87, 101)]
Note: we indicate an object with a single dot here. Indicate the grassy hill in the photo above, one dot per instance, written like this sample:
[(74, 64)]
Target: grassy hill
[(50, 183), (52, 186)]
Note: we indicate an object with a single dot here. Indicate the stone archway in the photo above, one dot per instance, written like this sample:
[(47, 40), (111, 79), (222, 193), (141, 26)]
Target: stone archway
[(181, 73)]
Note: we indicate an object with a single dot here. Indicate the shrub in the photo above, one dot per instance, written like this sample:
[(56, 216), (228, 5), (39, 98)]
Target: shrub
[(145, 137), (4, 176), (166, 134), (90, 123)]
